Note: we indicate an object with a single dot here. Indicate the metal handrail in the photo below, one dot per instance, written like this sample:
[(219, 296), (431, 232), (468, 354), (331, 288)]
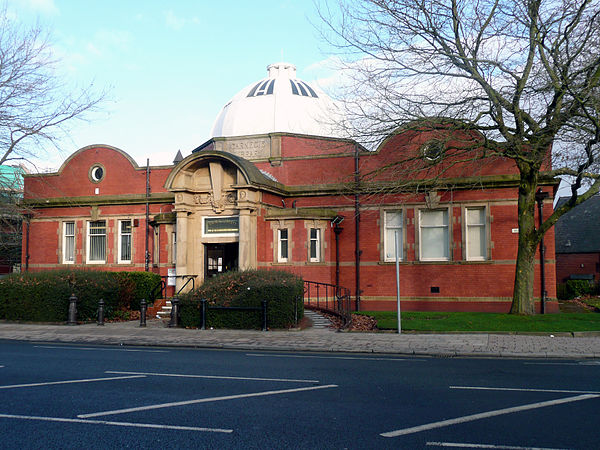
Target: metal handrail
[(190, 278), (328, 297)]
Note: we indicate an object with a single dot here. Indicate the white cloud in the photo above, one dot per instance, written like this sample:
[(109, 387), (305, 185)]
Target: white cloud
[(42, 6), (174, 22), (177, 23)]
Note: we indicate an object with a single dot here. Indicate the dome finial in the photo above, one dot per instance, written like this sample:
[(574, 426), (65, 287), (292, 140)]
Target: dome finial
[(282, 69)]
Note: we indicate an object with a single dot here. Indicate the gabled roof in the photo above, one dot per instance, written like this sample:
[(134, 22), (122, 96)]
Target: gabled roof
[(578, 231)]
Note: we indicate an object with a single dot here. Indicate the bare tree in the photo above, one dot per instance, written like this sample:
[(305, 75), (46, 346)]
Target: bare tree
[(36, 108), (523, 74)]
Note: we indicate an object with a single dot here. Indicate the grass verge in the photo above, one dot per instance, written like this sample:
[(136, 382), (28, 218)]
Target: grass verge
[(477, 321)]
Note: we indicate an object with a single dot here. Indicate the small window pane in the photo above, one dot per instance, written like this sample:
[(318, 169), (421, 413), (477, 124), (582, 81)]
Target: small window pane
[(315, 245), (69, 243), (97, 241), (476, 234), (393, 224), (125, 241), (434, 235)]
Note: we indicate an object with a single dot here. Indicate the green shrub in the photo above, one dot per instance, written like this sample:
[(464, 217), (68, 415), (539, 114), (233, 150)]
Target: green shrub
[(579, 288), (282, 291), (135, 286), (44, 296)]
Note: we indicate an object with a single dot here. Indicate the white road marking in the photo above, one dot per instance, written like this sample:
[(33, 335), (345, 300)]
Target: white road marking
[(579, 363), (559, 391), (118, 424), (504, 447), (218, 377), (267, 355), (203, 400), (74, 347), (485, 415), (88, 380)]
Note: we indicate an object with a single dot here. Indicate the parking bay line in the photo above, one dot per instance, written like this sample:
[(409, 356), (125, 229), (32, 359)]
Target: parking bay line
[(203, 400), (493, 446), (119, 424), (87, 380), (485, 415), (217, 377), (553, 391)]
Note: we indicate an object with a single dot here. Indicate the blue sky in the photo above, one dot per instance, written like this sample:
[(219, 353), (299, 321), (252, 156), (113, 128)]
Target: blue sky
[(169, 66)]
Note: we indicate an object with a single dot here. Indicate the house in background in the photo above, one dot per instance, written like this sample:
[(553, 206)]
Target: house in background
[(275, 188), (577, 235), (11, 218)]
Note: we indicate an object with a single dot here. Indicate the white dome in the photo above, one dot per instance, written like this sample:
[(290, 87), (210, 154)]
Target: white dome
[(279, 103)]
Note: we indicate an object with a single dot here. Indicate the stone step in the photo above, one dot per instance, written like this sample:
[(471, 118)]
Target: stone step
[(319, 321)]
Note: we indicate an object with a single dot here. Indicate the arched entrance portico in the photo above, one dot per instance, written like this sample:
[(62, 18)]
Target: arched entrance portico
[(216, 203)]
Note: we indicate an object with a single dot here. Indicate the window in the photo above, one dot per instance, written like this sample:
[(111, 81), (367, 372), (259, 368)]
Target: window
[(434, 235), (393, 224), (475, 234), (282, 245), (96, 248), (174, 236), (96, 173), (315, 245), (69, 243), (125, 241)]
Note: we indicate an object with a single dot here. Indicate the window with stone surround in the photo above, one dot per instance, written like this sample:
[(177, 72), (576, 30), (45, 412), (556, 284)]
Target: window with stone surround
[(434, 235), (282, 245), (96, 242), (68, 247), (392, 224), (125, 241), (475, 233)]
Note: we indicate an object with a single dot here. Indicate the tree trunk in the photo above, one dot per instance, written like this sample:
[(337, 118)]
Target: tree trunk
[(523, 302)]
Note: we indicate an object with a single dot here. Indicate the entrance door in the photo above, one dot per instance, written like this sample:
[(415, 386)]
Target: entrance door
[(220, 258)]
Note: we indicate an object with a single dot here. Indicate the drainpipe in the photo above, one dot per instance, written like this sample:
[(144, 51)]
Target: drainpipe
[(539, 198), (27, 221), (147, 253), (357, 251)]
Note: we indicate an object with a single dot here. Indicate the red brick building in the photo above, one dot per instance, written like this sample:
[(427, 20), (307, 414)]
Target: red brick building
[(578, 242), (273, 188)]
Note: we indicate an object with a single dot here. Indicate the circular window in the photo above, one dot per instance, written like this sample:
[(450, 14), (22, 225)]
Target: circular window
[(433, 151), (97, 173)]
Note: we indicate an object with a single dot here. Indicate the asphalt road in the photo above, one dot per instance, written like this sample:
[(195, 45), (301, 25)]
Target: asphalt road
[(70, 396)]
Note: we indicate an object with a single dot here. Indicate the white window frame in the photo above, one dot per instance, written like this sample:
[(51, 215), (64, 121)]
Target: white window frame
[(89, 239), (389, 250), (121, 260), (445, 226), (280, 240), (66, 238), (483, 226), (317, 240)]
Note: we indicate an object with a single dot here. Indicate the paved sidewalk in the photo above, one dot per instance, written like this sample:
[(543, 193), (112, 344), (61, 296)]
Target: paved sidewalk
[(321, 340)]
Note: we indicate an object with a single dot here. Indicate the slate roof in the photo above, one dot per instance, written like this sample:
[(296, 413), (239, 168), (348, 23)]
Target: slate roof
[(578, 231)]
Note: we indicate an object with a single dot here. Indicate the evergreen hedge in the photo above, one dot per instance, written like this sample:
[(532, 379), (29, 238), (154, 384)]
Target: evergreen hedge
[(44, 296), (283, 292)]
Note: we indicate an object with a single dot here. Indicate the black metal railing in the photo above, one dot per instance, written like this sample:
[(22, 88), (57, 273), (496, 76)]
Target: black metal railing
[(330, 298)]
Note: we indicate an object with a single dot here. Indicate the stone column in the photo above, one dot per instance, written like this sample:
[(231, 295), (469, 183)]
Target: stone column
[(247, 243)]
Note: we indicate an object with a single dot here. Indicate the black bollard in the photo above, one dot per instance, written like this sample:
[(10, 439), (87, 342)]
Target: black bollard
[(264, 315), (174, 323), (143, 308), (203, 303), (72, 320), (100, 312)]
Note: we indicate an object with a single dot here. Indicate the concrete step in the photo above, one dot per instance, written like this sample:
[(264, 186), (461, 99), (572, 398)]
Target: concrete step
[(319, 321), (165, 311)]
